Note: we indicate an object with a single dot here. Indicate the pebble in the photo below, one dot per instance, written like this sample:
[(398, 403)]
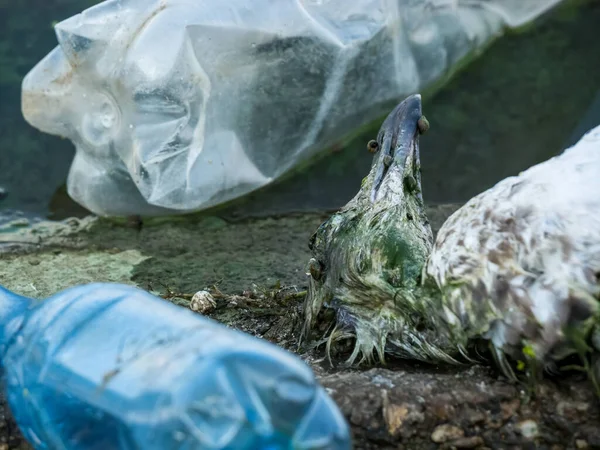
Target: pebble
[(528, 429), (468, 442), (445, 433)]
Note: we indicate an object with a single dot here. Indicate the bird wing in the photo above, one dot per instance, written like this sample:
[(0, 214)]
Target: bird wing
[(521, 261)]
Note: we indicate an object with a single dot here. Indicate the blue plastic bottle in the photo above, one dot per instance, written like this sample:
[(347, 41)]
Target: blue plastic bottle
[(107, 366)]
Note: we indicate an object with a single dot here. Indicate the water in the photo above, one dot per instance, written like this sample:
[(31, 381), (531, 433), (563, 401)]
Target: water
[(527, 97), (32, 165)]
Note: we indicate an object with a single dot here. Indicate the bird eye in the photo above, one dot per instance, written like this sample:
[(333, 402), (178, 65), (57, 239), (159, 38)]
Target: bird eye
[(410, 184), (423, 125), (315, 269), (373, 146)]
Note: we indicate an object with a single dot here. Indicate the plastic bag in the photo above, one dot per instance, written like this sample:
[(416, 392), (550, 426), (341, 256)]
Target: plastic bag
[(178, 105)]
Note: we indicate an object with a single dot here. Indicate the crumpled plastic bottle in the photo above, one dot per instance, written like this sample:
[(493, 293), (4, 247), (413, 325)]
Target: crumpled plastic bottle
[(178, 105), (111, 367)]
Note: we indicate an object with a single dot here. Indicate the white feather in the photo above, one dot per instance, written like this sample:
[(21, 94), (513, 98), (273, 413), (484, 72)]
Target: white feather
[(526, 252)]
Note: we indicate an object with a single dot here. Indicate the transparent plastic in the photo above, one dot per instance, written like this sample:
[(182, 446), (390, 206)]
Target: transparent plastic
[(178, 105), (111, 367)]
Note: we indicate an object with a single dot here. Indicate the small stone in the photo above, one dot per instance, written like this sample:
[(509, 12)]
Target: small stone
[(581, 443), (528, 429), (441, 407), (474, 416), (571, 410), (202, 302), (394, 417), (467, 442), (445, 433), (510, 408)]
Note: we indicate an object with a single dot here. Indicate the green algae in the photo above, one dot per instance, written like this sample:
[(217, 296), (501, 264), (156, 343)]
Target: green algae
[(44, 274)]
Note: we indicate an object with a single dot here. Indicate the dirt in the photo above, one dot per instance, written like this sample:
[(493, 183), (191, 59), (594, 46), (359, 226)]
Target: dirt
[(255, 270)]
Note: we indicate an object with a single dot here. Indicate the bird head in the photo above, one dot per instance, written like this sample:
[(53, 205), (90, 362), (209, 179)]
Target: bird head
[(370, 255)]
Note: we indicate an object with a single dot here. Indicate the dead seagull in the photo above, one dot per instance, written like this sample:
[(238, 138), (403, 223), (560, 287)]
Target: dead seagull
[(515, 271)]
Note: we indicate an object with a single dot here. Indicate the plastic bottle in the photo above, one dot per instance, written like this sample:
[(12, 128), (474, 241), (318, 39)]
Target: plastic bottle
[(108, 366), (179, 105)]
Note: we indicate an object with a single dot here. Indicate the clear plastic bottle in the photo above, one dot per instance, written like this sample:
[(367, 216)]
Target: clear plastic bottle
[(108, 366), (180, 105)]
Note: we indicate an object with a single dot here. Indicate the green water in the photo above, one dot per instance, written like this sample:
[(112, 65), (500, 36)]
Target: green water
[(527, 97), (32, 164)]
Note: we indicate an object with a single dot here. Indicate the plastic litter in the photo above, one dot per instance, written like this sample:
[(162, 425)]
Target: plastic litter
[(108, 366), (178, 105)]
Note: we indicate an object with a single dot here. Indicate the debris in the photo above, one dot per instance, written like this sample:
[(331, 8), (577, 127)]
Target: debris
[(445, 433), (467, 442)]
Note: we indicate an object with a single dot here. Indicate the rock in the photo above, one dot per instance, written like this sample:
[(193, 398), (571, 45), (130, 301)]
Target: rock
[(510, 408), (442, 407), (445, 433), (396, 416), (203, 302), (572, 409), (474, 416), (580, 443), (467, 442), (528, 429)]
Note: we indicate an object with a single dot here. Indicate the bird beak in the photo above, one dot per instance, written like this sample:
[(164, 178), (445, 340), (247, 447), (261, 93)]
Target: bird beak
[(398, 140)]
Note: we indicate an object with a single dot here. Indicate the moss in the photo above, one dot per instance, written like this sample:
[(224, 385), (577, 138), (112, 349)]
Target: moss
[(41, 275)]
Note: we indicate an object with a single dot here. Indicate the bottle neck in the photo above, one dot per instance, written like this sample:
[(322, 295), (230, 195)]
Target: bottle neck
[(12, 313)]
